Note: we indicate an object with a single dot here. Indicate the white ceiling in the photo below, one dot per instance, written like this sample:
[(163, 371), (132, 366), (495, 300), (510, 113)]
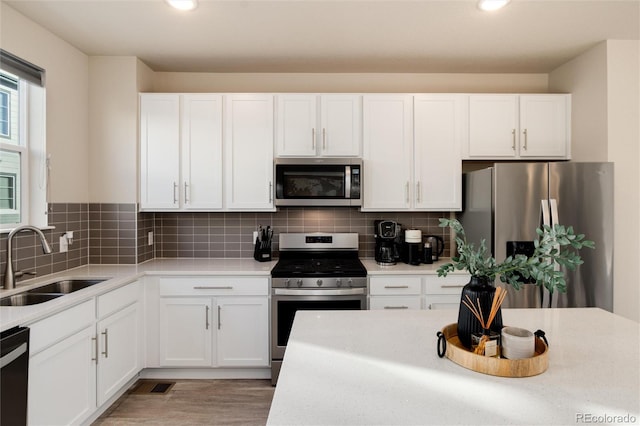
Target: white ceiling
[(532, 36)]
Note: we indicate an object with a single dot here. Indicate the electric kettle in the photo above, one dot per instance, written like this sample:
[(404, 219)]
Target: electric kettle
[(437, 246)]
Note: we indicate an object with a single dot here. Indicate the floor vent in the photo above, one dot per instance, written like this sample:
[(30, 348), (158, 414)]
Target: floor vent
[(152, 387)]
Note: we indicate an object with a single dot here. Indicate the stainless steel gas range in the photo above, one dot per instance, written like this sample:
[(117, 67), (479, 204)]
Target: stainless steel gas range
[(316, 271)]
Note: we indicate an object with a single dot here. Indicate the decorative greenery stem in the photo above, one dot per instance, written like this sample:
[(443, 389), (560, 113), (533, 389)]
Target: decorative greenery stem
[(557, 245)]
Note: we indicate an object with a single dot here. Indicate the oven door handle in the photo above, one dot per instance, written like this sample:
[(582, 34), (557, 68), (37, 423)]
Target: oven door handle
[(332, 292)]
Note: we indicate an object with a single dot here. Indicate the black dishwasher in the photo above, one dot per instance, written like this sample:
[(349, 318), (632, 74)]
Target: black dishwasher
[(14, 375)]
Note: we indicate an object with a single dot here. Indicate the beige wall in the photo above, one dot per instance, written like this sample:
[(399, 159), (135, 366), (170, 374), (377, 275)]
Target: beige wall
[(357, 82), (605, 91), (67, 79), (113, 124)]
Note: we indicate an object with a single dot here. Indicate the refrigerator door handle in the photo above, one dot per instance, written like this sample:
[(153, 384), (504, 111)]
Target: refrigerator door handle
[(544, 210), (554, 211)]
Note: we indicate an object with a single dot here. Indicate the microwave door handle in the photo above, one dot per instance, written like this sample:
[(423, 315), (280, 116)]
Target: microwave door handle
[(347, 182)]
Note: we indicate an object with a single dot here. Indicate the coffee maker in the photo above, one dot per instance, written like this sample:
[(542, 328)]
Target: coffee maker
[(387, 235)]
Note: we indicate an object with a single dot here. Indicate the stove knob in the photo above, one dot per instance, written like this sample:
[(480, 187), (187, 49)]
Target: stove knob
[(299, 282), (350, 282), (319, 283), (286, 282), (339, 282)]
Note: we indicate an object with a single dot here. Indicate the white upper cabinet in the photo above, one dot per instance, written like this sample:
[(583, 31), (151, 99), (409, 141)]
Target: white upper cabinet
[(439, 132), (387, 151), (248, 148), (159, 151), (180, 152), (544, 126), (331, 130), (202, 151), (412, 152), (519, 127)]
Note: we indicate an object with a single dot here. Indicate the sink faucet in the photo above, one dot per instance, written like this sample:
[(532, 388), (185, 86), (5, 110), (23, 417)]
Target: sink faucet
[(9, 275)]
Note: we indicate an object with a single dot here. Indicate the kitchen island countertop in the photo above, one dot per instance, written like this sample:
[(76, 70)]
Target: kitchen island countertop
[(381, 367)]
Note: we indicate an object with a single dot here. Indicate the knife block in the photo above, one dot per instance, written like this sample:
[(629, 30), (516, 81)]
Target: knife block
[(262, 254)]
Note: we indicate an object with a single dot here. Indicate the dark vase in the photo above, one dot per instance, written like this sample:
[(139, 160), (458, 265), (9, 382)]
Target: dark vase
[(478, 288)]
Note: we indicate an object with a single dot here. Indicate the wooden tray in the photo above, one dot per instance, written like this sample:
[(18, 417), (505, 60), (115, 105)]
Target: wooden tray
[(502, 367)]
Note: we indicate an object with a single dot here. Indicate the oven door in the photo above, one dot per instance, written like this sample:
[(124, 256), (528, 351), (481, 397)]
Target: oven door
[(286, 302)]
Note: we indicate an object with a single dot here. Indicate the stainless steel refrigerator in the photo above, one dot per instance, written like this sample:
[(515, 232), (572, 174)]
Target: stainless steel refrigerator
[(505, 203)]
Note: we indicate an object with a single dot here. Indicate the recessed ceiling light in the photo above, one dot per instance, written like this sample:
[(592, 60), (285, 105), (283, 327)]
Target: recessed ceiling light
[(489, 5), (183, 4)]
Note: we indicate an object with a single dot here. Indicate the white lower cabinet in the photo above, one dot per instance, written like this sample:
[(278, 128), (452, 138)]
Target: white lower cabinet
[(83, 356), (214, 322), (186, 337), (243, 332), (119, 340), (426, 291), (62, 381)]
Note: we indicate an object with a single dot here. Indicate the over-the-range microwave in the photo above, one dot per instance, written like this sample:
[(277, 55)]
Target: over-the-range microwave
[(318, 181)]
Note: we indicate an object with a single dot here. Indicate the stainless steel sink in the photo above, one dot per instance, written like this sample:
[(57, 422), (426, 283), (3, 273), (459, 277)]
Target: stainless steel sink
[(66, 286), (25, 299)]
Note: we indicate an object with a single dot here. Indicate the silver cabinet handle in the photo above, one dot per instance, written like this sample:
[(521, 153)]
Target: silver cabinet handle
[(418, 192), (396, 307), (219, 317), (452, 286), (186, 192), (270, 191), (396, 286), (324, 139), (95, 346), (175, 190), (206, 318), (406, 190), (205, 287), (513, 139), (525, 139), (105, 333), (313, 138)]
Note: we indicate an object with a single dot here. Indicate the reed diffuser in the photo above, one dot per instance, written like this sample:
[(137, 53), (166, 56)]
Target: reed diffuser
[(484, 347)]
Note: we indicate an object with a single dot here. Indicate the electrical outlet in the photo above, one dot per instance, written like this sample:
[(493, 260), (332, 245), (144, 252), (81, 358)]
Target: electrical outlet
[(64, 244), (150, 238)]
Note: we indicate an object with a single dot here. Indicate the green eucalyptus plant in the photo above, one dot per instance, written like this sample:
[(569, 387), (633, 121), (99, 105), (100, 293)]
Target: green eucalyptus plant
[(554, 245)]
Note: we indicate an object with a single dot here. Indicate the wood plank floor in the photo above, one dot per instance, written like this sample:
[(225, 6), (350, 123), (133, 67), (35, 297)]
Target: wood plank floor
[(195, 402)]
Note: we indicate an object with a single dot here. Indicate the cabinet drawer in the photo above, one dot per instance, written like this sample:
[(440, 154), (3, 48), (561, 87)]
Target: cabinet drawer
[(442, 301), (61, 325), (394, 302), (394, 285), (214, 286), (451, 284), (115, 300)]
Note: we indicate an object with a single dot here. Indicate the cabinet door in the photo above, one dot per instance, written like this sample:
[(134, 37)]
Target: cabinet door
[(341, 121), (159, 151), (387, 152), (249, 152), (296, 128), (185, 332), (243, 331), (202, 151), (120, 345), (393, 303), (493, 126), (544, 126), (439, 130), (62, 381)]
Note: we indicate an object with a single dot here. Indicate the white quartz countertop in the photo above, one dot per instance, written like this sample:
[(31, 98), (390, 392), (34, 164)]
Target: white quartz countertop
[(382, 368), (405, 269), (117, 276)]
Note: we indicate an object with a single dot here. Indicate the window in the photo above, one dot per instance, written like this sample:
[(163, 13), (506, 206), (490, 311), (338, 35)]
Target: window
[(22, 148), (5, 130)]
